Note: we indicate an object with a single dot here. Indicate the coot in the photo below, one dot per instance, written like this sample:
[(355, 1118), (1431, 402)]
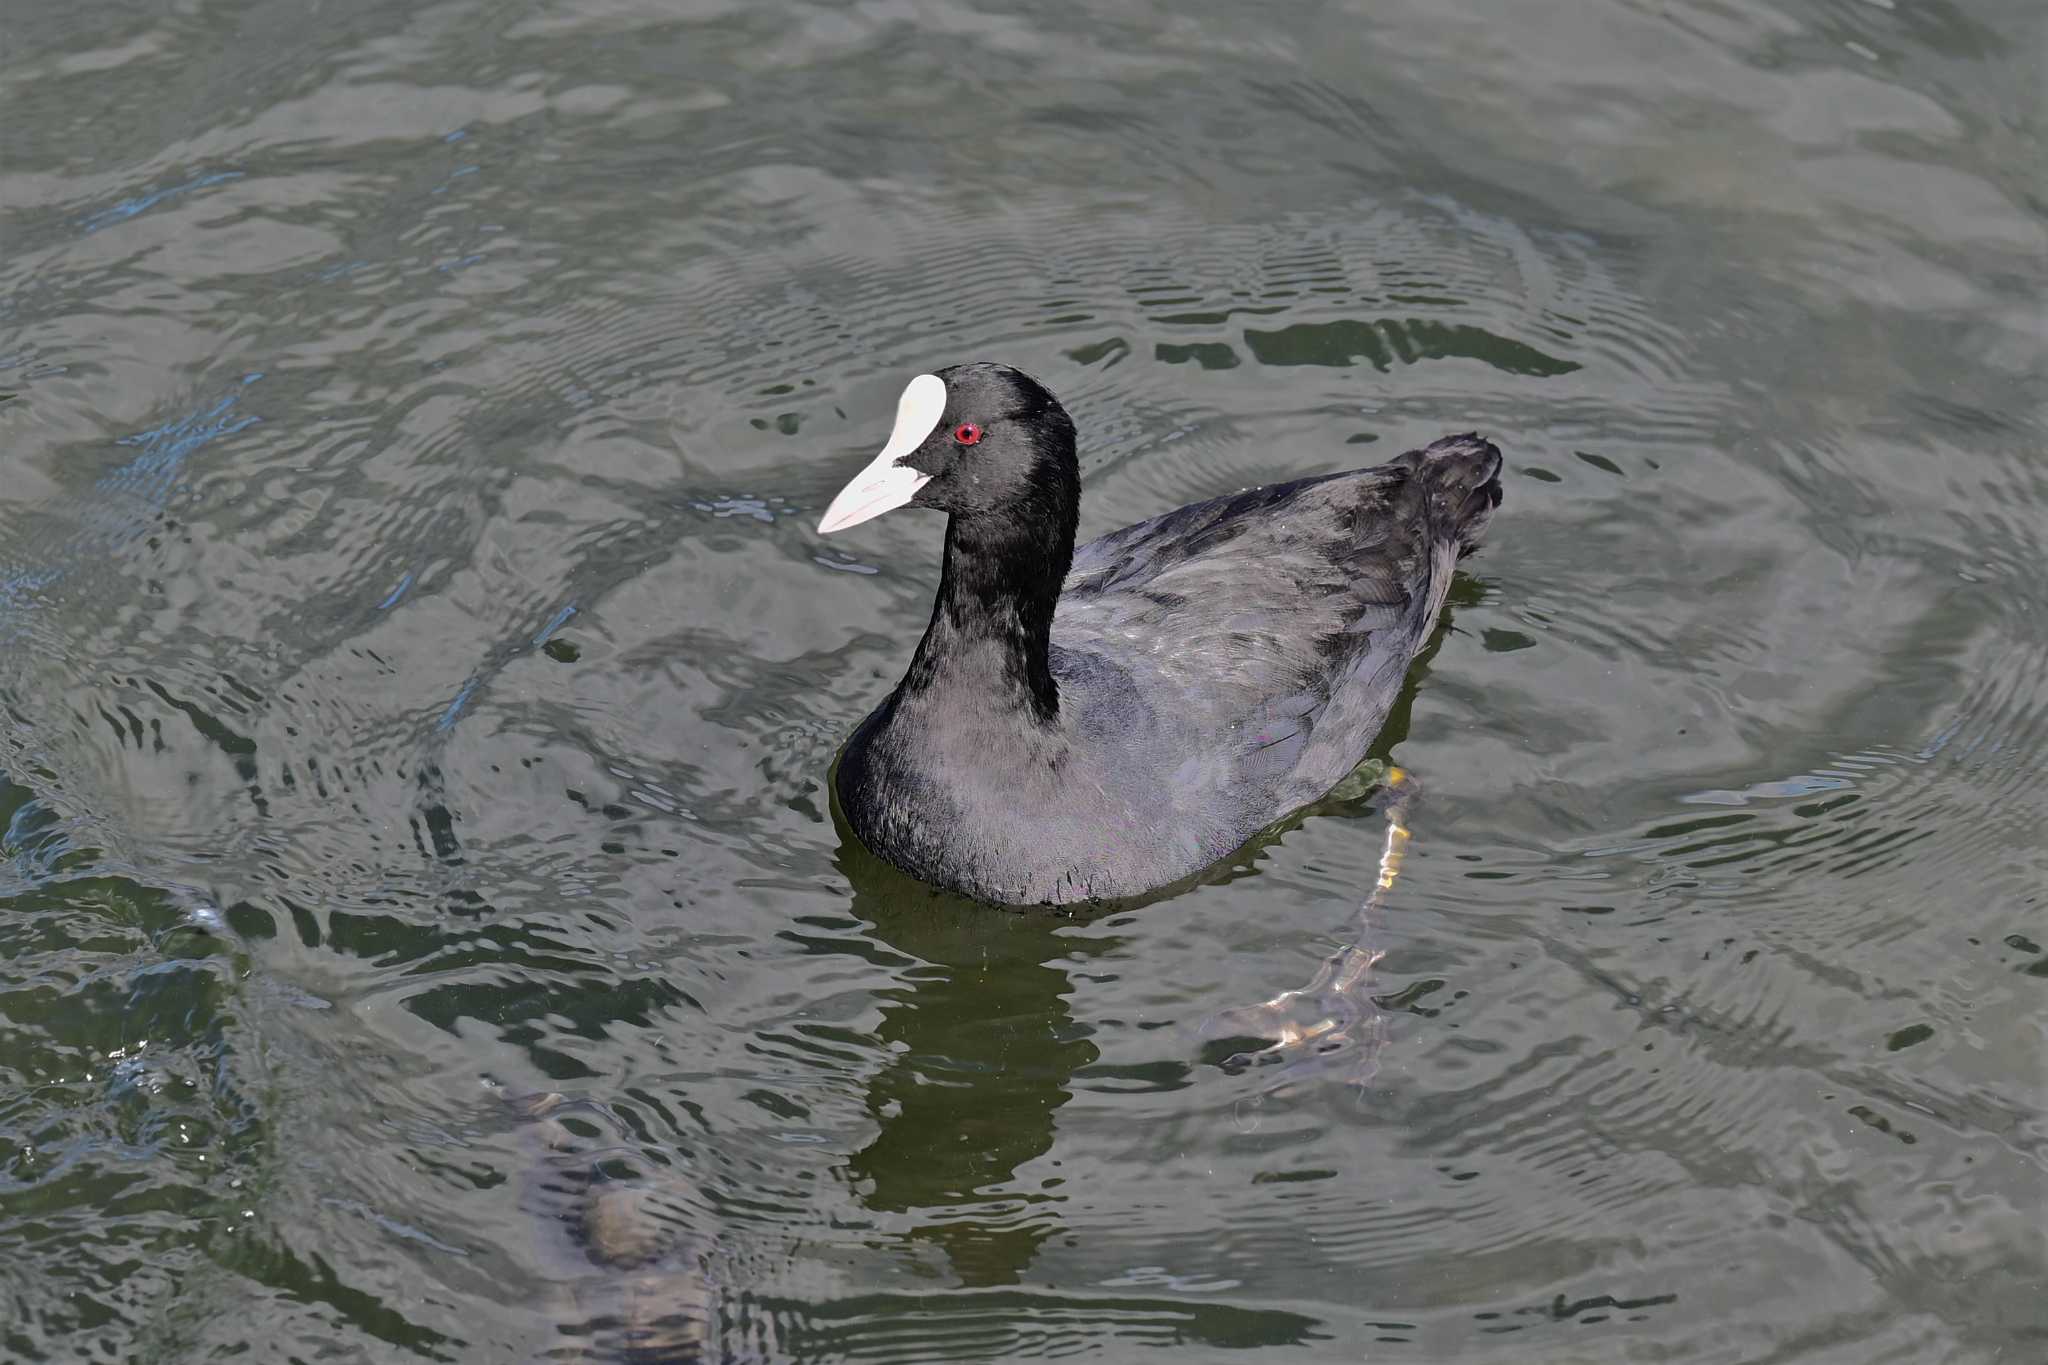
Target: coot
[(1096, 723)]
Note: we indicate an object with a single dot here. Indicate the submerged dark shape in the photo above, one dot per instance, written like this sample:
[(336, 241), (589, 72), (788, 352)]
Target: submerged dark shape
[(1097, 723), (647, 1289)]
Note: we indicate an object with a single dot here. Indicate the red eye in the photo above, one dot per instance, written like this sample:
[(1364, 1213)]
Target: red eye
[(966, 433)]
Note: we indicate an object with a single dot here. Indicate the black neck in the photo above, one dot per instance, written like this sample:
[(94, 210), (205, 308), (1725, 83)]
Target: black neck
[(991, 629)]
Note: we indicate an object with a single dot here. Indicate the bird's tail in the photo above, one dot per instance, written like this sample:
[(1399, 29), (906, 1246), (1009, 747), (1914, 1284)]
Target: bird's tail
[(1462, 477)]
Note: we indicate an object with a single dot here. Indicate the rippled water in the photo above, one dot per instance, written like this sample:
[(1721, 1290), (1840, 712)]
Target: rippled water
[(420, 672)]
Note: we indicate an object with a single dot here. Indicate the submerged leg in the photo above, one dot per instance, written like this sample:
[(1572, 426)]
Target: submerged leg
[(1306, 1029)]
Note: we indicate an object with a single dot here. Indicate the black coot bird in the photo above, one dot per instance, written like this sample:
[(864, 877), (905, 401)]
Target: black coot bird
[(1097, 723)]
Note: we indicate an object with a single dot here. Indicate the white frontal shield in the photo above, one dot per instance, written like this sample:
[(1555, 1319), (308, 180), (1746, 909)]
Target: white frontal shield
[(884, 483)]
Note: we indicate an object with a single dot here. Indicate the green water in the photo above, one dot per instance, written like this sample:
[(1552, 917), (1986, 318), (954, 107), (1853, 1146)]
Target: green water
[(419, 671)]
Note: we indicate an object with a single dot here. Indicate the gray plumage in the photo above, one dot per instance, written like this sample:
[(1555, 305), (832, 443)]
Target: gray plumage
[(1101, 729)]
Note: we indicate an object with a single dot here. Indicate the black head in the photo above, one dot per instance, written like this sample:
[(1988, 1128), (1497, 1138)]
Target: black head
[(982, 442)]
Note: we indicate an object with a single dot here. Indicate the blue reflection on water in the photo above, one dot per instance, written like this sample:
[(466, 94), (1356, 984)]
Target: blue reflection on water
[(130, 496), (128, 208)]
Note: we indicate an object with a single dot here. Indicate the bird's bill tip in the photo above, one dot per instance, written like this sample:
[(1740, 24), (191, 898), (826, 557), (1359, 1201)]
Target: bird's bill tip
[(885, 484)]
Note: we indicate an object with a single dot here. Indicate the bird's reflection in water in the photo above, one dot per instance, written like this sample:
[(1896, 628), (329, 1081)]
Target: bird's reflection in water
[(983, 1049)]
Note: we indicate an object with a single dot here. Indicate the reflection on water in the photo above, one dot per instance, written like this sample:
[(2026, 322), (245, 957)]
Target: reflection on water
[(419, 674), (980, 1053)]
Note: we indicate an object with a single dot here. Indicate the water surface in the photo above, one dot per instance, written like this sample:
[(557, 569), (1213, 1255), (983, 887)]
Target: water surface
[(419, 671)]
